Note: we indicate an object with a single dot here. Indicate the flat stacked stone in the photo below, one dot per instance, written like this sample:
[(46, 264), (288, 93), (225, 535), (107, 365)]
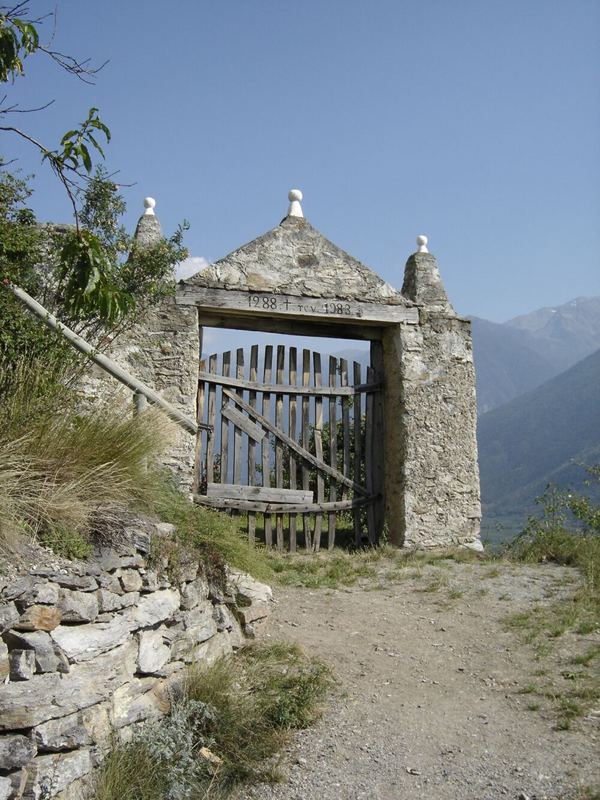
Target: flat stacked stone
[(92, 661)]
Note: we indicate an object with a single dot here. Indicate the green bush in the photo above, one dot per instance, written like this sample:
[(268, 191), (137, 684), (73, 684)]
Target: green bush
[(568, 532), (161, 762), (91, 277)]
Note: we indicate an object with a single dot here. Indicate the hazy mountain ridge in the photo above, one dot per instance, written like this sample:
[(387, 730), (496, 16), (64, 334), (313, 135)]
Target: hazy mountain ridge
[(564, 334), (513, 357), (507, 363), (540, 438)]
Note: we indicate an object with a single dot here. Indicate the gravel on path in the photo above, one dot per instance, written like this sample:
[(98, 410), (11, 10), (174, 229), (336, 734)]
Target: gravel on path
[(429, 702)]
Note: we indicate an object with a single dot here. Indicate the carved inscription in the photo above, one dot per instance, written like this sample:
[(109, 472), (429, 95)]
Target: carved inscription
[(274, 302)]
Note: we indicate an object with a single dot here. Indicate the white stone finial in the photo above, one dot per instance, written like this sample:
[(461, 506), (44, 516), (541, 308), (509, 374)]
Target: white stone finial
[(422, 244), (149, 203), (295, 209)]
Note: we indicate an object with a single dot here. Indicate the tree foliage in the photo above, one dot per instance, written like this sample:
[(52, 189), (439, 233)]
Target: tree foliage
[(89, 274), (91, 278)]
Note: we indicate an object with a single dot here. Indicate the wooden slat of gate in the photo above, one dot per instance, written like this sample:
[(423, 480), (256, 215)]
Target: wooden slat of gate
[(332, 449), (306, 442), (243, 424), (311, 391), (200, 402), (226, 368), (345, 426), (235, 491), (251, 444), (211, 409), (378, 437), (237, 433), (318, 449), (280, 508), (369, 443), (265, 454), (304, 454), (292, 430), (357, 450), (278, 445)]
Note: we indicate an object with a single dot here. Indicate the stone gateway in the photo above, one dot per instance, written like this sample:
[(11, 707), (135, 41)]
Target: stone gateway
[(406, 457)]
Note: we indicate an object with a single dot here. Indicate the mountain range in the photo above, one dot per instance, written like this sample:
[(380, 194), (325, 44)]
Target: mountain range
[(544, 437), (514, 357)]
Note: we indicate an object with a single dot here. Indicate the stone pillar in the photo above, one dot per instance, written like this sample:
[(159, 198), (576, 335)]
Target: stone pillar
[(432, 476), (161, 348)]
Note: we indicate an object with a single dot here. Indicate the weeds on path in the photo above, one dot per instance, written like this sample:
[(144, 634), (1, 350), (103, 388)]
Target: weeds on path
[(377, 567), (569, 534)]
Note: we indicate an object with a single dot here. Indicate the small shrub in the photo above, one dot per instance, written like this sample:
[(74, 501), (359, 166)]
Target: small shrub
[(161, 762), (241, 709), (567, 533), (67, 543), (258, 696)]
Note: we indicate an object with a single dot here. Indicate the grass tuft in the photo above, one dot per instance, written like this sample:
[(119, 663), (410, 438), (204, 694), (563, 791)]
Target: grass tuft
[(56, 471), (549, 540), (214, 537), (323, 570), (227, 727)]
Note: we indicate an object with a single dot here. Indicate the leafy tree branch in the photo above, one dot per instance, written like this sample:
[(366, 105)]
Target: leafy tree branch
[(90, 275), (93, 286)]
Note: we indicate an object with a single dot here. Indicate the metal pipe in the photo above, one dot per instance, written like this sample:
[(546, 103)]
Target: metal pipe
[(106, 363)]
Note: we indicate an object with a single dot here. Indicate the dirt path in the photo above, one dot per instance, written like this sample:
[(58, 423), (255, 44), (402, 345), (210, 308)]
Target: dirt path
[(429, 702)]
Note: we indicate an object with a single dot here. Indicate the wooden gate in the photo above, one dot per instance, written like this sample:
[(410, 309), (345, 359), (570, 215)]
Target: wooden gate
[(288, 446)]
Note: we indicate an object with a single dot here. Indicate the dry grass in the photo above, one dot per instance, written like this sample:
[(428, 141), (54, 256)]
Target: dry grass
[(57, 464), (377, 566), (242, 709), (571, 691)]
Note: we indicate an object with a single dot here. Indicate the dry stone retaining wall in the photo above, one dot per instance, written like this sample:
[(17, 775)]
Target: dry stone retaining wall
[(94, 650)]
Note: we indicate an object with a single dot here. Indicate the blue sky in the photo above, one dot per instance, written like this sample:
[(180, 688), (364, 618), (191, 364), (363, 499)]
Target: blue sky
[(475, 122)]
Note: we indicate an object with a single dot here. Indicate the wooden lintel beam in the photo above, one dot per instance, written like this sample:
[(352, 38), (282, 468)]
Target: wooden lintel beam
[(294, 327), (276, 304)]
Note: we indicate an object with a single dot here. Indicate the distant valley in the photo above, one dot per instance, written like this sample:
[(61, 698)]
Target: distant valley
[(538, 384)]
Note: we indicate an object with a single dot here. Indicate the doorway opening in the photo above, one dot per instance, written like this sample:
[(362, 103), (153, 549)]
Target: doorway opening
[(295, 439)]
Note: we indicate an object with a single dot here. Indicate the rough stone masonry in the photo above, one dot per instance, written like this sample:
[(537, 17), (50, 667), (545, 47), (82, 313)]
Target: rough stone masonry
[(90, 650), (431, 476)]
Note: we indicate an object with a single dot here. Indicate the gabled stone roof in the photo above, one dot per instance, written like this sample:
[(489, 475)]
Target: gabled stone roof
[(294, 258)]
